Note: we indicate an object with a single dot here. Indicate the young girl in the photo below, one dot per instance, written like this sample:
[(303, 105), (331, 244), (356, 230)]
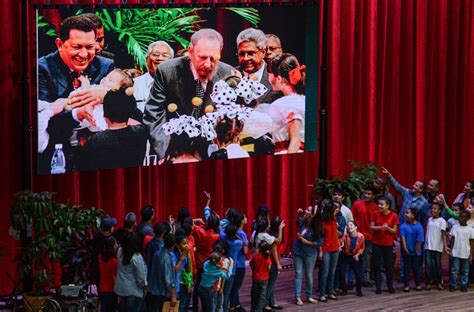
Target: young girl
[(435, 240), (330, 249), (384, 226), (261, 234), (461, 235), (411, 235), (212, 271), (108, 270), (183, 265), (131, 281), (260, 264), (286, 75), (353, 248), (305, 250)]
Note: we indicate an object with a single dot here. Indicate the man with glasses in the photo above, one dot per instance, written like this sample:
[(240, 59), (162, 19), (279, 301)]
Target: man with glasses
[(251, 53), (180, 80), (157, 53), (272, 47)]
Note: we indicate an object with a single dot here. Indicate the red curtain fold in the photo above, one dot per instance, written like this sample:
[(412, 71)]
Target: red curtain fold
[(400, 77)]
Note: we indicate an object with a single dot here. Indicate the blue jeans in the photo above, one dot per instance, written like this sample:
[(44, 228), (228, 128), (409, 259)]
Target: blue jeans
[(196, 290), (306, 264), (227, 290), (383, 255), (433, 267), (184, 297), (207, 297), (411, 263), (130, 304), (456, 264), (236, 285), (273, 275), (366, 259), (328, 271)]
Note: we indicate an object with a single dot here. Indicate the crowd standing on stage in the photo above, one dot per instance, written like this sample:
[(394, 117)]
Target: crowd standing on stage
[(200, 262)]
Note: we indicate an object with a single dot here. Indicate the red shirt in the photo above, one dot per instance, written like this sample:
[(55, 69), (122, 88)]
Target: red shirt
[(191, 246), (260, 267), (384, 238), (362, 213), (108, 271), (330, 237), (204, 241)]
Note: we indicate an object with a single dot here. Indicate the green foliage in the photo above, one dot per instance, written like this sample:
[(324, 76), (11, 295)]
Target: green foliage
[(54, 227), (361, 175), (135, 29)]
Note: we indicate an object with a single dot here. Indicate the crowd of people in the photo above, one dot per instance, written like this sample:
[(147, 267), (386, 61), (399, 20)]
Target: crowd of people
[(187, 107), (192, 262)]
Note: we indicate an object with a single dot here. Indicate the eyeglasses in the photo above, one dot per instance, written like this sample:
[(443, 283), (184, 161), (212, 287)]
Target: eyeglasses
[(249, 53), (165, 55)]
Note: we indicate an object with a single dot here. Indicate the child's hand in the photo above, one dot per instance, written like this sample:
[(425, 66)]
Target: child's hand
[(282, 224), (448, 251), (384, 227), (356, 258)]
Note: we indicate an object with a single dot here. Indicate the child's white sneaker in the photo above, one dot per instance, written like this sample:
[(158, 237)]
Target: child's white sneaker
[(299, 301)]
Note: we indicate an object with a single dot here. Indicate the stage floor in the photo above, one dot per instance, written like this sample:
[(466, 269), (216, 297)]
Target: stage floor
[(434, 300)]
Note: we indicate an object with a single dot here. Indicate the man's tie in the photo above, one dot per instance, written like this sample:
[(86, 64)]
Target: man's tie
[(197, 111)]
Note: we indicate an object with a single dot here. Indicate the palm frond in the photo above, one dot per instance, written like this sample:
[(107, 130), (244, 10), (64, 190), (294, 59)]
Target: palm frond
[(249, 14)]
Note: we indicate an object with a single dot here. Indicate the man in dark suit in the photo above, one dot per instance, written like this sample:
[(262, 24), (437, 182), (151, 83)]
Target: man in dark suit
[(58, 75), (180, 80), (251, 44), (251, 53)]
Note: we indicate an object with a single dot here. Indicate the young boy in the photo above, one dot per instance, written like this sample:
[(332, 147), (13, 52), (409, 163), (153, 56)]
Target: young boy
[(461, 250), (435, 240), (260, 264), (411, 235)]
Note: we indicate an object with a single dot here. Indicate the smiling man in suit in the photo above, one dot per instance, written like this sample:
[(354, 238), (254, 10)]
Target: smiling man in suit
[(181, 79), (251, 44), (58, 76)]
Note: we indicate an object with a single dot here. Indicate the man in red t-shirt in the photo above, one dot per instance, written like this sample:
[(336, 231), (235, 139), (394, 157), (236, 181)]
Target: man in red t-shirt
[(385, 226), (362, 211)]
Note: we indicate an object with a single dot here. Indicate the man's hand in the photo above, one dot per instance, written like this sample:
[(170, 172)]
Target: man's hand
[(88, 96), (385, 171), (85, 112)]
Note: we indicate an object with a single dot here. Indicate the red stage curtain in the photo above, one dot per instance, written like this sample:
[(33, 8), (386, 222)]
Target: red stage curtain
[(400, 76)]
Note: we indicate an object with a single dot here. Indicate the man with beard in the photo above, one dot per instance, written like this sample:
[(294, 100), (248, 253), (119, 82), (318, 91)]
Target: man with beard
[(180, 81), (157, 53), (251, 53), (58, 76)]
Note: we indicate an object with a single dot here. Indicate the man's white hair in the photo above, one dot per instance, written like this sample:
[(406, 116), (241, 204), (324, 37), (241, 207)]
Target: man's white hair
[(206, 33), (157, 43), (252, 34)]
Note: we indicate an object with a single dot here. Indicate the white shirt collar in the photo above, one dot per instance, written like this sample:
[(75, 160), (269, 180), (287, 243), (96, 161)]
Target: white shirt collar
[(258, 73), (196, 76)]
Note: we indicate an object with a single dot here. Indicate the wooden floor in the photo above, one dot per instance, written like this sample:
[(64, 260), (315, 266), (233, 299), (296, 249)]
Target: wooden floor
[(434, 300)]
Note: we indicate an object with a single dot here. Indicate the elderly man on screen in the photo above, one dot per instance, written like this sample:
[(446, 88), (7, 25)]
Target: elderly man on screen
[(58, 76), (157, 53), (272, 47), (251, 53), (186, 81)]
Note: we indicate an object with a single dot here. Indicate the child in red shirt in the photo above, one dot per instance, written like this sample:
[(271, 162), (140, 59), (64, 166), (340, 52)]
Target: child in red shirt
[(260, 264), (108, 270)]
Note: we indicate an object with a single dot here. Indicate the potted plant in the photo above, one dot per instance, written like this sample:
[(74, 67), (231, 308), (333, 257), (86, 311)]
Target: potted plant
[(353, 185), (52, 229)]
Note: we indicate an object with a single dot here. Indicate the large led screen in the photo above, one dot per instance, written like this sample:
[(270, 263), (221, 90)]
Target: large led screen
[(127, 87)]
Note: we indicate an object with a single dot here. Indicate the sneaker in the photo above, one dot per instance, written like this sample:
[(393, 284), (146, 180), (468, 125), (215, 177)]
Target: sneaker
[(276, 307), (452, 289), (464, 289), (406, 289), (391, 290), (311, 300), (267, 308), (323, 299), (332, 297), (343, 293), (367, 284), (359, 294), (378, 291), (299, 301), (440, 287)]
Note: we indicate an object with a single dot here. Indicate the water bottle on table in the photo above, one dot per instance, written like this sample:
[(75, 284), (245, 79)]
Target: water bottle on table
[(58, 162)]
